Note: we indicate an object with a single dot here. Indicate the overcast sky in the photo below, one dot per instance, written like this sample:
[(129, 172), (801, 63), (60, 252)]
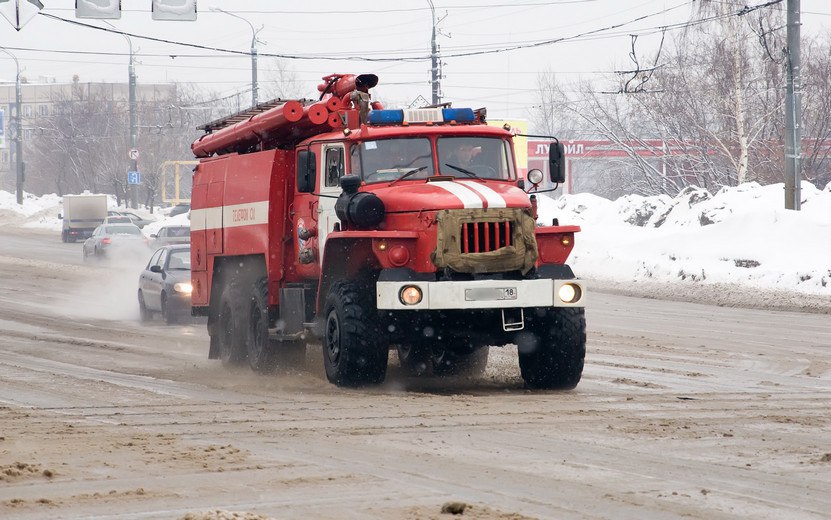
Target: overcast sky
[(389, 31)]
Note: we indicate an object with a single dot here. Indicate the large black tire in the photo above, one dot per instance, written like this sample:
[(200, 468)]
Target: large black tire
[(353, 354), (145, 314), (260, 351), (230, 327), (552, 350)]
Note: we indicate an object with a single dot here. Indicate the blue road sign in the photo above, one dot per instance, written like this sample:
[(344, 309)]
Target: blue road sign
[(133, 178)]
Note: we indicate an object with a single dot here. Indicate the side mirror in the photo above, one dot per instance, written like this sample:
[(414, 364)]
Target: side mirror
[(305, 171), (60, 216), (557, 162), (155, 269)]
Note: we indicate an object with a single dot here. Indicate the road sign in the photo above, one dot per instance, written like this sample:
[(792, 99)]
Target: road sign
[(133, 178), (19, 12), (133, 154)]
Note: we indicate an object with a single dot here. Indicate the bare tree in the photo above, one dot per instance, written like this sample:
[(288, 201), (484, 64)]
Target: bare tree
[(712, 101), (282, 81)]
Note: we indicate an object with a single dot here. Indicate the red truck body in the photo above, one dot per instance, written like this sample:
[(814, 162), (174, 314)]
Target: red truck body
[(360, 226)]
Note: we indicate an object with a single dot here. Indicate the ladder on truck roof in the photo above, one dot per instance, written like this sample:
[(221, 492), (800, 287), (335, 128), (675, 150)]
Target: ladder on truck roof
[(244, 115)]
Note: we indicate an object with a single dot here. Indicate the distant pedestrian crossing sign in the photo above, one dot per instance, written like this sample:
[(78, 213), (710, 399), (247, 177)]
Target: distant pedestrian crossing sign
[(133, 178)]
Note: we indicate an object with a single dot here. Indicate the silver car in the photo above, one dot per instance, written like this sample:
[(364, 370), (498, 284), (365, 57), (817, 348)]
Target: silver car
[(164, 285), (169, 235), (109, 240)]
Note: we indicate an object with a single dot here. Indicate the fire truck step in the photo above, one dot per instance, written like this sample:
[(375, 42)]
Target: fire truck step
[(513, 319)]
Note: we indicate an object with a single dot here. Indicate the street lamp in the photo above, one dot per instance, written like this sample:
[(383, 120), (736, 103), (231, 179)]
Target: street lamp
[(18, 131), (253, 54), (434, 58), (131, 96)]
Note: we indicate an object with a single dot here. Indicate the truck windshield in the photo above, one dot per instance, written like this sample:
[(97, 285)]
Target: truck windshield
[(483, 157), (386, 160)]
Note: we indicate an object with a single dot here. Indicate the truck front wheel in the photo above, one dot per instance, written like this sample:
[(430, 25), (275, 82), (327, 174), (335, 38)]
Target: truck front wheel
[(352, 352), (552, 349)]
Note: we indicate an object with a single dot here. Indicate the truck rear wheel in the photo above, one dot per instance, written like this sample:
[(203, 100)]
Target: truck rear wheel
[(553, 348), (231, 334), (261, 356), (352, 352)]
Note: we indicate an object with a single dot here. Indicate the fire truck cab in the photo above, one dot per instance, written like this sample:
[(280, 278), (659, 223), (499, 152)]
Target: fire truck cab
[(373, 229)]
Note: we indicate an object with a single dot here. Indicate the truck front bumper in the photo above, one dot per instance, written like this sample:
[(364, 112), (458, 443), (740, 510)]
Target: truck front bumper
[(479, 294)]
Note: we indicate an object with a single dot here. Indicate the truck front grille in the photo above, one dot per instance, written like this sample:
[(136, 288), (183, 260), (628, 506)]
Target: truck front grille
[(484, 237)]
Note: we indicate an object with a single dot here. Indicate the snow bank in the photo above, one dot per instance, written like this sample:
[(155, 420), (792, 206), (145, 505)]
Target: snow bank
[(740, 235)]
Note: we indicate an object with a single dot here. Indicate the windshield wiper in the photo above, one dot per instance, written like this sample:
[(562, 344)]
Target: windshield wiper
[(466, 172), (409, 173)]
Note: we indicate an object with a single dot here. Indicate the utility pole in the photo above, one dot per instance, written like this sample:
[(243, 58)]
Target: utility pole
[(131, 194), (18, 132), (253, 54), (793, 110), (131, 72), (434, 59)]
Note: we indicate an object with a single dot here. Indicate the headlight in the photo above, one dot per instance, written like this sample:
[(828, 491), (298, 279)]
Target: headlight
[(569, 293), (534, 176), (183, 287), (410, 295)]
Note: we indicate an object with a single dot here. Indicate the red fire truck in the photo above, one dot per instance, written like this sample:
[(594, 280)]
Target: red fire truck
[(372, 230)]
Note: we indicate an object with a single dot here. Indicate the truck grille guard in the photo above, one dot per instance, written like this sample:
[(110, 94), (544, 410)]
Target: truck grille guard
[(485, 240), (484, 237)]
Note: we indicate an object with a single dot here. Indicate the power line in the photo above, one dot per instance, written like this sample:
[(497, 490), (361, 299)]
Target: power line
[(380, 11)]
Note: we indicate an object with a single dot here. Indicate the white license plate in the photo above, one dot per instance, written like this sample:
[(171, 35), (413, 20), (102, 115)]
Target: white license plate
[(490, 294)]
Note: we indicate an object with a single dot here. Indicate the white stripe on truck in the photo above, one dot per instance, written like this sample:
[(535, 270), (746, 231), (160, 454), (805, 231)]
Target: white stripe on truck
[(247, 214)]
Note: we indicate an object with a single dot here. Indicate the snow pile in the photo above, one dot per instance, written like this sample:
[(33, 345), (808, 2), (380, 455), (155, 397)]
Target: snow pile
[(741, 235), (31, 204), (42, 212)]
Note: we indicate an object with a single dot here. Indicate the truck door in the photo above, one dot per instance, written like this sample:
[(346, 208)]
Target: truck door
[(331, 171)]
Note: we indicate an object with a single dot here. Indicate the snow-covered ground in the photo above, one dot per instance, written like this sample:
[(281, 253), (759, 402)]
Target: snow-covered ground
[(740, 238)]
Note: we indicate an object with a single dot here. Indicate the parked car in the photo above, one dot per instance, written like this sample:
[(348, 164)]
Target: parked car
[(135, 219), (170, 235), (178, 209), (115, 239), (164, 285), (118, 219)]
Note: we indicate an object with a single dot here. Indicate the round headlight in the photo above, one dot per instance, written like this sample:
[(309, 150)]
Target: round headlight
[(410, 295), (534, 176), (183, 287), (569, 293)]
